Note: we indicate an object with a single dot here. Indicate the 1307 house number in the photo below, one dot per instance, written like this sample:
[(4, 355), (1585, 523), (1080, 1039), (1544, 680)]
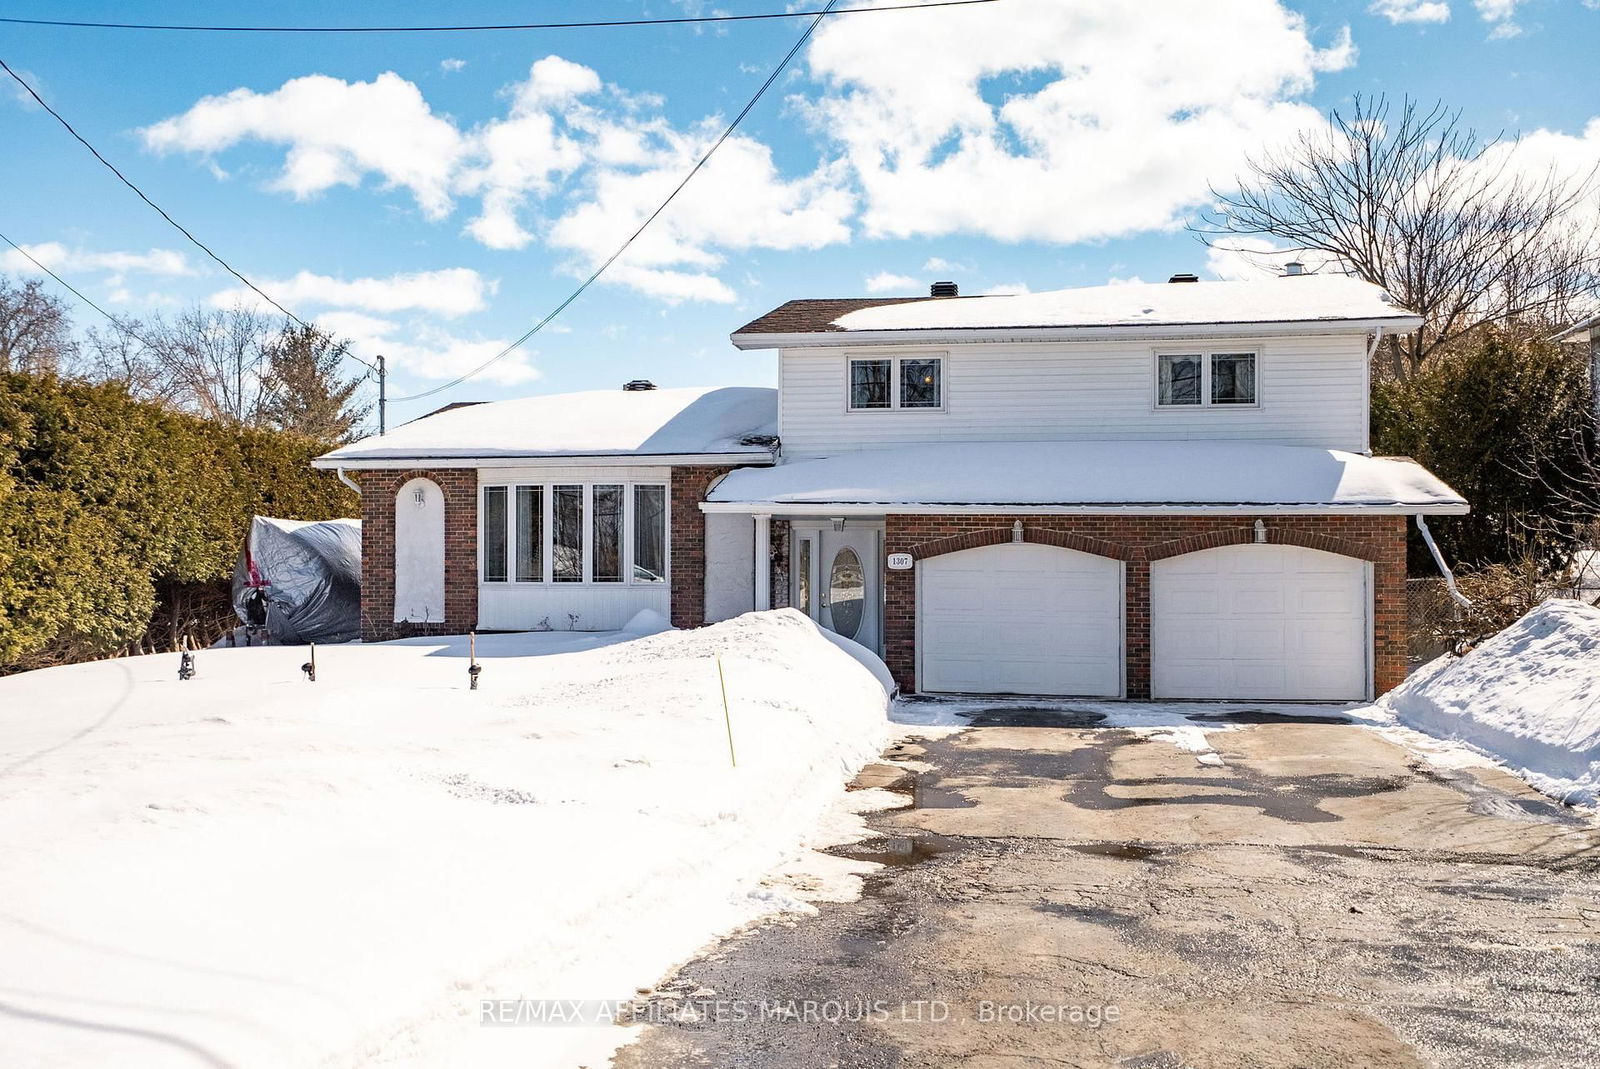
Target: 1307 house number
[(899, 562)]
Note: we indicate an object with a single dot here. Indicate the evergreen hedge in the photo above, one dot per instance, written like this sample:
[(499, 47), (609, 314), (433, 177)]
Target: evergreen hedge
[(104, 500)]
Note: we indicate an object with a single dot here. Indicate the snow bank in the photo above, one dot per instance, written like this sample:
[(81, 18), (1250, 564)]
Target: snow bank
[(252, 870), (1529, 697)]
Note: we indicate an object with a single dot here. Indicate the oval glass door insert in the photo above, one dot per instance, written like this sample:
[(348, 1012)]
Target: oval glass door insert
[(847, 593)]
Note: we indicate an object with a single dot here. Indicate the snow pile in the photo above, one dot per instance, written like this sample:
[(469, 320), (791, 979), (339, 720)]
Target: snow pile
[(1094, 473), (248, 869), (1529, 697)]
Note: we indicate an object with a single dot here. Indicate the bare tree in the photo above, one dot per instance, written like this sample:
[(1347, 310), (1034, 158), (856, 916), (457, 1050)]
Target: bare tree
[(1439, 218), (35, 329), (211, 362)]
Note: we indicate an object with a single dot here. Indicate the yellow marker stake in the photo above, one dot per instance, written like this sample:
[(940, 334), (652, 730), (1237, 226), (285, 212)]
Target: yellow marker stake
[(726, 718)]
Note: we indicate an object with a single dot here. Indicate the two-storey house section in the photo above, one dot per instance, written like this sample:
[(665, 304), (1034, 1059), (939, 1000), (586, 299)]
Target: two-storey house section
[(1142, 490)]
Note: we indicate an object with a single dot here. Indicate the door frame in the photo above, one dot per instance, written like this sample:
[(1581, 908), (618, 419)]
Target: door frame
[(1122, 627), (816, 530)]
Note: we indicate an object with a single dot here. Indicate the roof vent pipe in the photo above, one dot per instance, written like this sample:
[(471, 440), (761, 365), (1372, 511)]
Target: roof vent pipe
[(944, 289), (1184, 276), (638, 384), (1294, 267)]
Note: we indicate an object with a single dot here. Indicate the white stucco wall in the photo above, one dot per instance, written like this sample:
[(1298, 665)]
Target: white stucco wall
[(419, 553), (730, 566)]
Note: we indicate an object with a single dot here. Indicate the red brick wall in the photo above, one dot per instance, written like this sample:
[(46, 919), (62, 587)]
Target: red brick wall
[(1138, 540), (689, 486), (378, 489)]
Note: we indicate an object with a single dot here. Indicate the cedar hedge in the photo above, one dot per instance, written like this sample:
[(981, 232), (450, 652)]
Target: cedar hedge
[(106, 501)]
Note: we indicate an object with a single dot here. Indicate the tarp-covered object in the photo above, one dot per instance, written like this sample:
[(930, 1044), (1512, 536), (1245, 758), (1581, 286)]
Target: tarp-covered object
[(308, 573)]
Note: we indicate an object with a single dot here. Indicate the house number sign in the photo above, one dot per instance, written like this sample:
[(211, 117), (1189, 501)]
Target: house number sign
[(899, 562)]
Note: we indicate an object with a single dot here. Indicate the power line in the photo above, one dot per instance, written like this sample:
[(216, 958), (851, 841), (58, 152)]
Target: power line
[(67, 285), (575, 294), (158, 209), (590, 25)]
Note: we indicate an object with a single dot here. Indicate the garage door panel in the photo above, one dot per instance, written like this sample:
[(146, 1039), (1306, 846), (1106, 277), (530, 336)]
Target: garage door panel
[(1259, 622), (1020, 618)]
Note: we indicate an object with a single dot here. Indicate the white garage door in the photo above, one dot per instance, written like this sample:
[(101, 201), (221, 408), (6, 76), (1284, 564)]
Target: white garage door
[(1020, 618), (1259, 622)]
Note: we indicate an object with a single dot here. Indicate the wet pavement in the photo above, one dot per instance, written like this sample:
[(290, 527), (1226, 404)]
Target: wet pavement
[(1087, 896)]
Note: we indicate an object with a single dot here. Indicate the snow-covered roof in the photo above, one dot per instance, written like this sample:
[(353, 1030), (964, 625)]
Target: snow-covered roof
[(1088, 476), (1319, 300), (686, 422)]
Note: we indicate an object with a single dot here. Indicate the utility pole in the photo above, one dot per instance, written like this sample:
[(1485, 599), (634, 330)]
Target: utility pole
[(383, 394)]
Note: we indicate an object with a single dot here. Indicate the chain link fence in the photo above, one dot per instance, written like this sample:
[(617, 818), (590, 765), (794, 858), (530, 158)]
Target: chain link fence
[(1437, 624)]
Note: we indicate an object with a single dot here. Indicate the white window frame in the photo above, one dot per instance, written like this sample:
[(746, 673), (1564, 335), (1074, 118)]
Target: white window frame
[(895, 360), (1205, 353), (546, 579)]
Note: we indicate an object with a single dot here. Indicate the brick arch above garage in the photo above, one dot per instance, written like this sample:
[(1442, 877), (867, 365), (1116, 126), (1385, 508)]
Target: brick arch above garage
[(1137, 540)]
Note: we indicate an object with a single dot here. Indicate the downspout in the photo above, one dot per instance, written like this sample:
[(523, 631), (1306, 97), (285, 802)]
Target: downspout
[(1366, 385), (1444, 569), (347, 481)]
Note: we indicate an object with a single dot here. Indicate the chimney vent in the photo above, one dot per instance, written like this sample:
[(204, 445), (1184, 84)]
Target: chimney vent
[(1184, 276), (944, 289), (1294, 267), (638, 384)]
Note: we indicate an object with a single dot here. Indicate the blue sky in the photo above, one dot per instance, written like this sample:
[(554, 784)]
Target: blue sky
[(431, 196)]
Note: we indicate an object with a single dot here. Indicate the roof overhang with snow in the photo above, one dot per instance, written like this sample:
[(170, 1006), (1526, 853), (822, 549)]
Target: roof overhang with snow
[(732, 425), (1306, 304), (1178, 477)]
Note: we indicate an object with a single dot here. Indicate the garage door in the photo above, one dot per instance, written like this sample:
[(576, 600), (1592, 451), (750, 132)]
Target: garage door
[(1259, 622), (1020, 618)]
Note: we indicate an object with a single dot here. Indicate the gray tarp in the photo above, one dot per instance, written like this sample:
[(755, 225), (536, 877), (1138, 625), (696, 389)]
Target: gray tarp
[(310, 575)]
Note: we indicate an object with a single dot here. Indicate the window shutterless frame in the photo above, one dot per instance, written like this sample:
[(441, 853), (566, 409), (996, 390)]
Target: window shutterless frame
[(1207, 356), (867, 370), (641, 512)]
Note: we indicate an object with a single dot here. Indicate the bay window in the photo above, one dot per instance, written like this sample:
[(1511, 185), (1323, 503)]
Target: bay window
[(574, 533)]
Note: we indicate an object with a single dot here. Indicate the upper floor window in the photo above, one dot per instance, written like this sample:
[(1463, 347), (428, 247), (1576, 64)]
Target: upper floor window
[(1205, 378), (896, 382)]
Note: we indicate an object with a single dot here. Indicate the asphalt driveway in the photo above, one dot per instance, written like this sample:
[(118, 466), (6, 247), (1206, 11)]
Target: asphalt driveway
[(1082, 896)]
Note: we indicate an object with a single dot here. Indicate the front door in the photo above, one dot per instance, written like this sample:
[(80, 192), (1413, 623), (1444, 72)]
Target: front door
[(838, 580)]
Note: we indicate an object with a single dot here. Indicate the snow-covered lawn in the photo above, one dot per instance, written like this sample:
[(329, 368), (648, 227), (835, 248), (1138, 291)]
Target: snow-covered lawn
[(248, 869), (1529, 697)]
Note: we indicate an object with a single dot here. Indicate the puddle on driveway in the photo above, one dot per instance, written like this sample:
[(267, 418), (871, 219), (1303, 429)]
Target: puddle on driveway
[(898, 850), (1121, 851), (1017, 716), (1488, 802), (1261, 716)]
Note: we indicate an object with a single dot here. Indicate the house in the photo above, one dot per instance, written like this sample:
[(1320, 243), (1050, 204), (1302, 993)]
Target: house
[(1143, 490), (1585, 335)]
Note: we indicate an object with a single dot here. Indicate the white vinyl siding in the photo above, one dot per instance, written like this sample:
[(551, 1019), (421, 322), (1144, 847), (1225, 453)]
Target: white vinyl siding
[(1311, 391)]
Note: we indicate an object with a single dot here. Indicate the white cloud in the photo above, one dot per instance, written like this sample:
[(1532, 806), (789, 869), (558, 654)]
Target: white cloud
[(1037, 120), (63, 260), (1006, 289), (451, 292), (885, 282), (428, 352), (1398, 11), (939, 263), (450, 66), (1501, 16), (337, 132)]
